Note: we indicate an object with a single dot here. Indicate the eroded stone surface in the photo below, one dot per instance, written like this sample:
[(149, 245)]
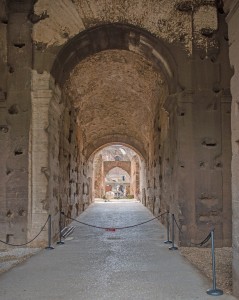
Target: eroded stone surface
[(64, 19), (105, 90), (232, 20)]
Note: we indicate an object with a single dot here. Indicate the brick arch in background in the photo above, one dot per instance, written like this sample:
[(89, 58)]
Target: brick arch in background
[(109, 165)]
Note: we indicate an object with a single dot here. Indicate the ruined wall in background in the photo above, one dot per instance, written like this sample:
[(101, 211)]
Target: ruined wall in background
[(98, 177), (135, 178)]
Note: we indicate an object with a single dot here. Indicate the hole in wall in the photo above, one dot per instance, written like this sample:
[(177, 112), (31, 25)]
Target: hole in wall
[(10, 69), (226, 37), (219, 165), (209, 142), (18, 151), (207, 32), (9, 171), (4, 128), (9, 214), (13, 110), (19, 45), (22, 213), (216, 89), (213, 59)]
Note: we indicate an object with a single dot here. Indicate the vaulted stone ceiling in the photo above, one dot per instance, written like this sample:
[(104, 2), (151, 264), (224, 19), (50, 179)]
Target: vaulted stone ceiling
[(170, 20), (116, 93)]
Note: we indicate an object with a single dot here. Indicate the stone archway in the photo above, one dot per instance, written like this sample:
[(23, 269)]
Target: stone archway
[(61, 112), (186, 136), (171, 152), (109, 165)]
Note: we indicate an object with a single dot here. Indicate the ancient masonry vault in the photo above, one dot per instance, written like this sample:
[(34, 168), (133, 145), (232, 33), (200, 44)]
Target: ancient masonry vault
[(79, 75)]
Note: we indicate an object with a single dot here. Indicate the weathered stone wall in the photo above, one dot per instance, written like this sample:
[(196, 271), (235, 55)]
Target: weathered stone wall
[(4, 128), (59, 171), (69, 187), (233, 31), (15, 112)]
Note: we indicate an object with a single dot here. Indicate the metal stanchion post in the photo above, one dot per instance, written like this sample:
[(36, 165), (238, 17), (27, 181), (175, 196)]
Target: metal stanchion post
[(214, 291), (49, 247), (60, 242), (173, 247), (168, 240)]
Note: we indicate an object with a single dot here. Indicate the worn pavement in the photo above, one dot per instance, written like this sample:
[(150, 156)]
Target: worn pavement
[(95, 264)]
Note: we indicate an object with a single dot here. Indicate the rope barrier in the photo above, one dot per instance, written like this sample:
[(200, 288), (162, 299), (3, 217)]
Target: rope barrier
[(114, 228), (214, 291), (20, 245), (194, 244), (203, 242)]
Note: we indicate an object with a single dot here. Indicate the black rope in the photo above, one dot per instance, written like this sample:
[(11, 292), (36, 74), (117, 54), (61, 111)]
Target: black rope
[(195, 244), (115, 228), (203, 242), (177, 224), (19, 245)]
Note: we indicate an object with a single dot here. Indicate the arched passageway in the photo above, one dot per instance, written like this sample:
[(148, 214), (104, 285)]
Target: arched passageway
[(103, 98), (117, 168), (117, 83), (154, 77)]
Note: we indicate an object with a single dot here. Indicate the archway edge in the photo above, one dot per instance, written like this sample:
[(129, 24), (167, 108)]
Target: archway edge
[(123, 165), (115, 36), (126, 141)]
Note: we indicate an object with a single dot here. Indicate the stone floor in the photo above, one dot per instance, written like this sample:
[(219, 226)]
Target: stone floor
[(100, 265)]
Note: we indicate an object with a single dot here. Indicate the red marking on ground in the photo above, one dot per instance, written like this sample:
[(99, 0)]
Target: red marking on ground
[(110, 229)]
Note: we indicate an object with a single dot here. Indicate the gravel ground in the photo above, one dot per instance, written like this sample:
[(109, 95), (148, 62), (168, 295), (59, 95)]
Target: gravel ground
[(202, 259), (11, 257)]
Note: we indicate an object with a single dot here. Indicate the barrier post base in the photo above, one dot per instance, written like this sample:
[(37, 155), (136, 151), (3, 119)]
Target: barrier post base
[(60, 243), (215, 292), (168, 242), (49, 248), (173, 248)]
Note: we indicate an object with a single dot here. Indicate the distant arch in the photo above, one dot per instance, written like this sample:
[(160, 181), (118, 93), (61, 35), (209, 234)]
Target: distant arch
[(110, 165)]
